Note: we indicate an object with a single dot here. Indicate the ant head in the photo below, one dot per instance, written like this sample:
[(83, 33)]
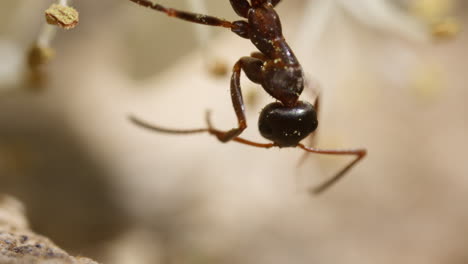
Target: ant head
[(287, 126)]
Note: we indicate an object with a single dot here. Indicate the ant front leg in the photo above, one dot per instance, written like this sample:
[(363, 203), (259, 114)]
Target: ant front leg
[(240, 27), (187, 16), (252, 68)]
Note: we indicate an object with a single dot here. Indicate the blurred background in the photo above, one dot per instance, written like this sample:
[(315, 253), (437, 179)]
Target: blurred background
[(392, 78)]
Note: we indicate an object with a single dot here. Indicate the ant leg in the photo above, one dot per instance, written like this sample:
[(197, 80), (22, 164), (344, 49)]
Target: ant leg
[(252, 67), (217, 133), (210, 130), (317, 105), (359, 153), (313, 136), (240, 27), (275, 2), (311, 85), (258, 55), (187, 16), (241, 7), (257, 3)]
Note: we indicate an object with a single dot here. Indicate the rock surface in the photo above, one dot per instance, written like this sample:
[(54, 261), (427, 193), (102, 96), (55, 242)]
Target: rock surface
[(18, 244)]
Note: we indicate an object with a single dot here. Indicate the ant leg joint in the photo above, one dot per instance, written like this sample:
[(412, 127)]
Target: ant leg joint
[(241, 28)]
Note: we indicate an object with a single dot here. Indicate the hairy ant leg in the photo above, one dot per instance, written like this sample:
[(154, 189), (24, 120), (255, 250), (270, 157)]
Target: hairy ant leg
[(252, 68), (359, 153)]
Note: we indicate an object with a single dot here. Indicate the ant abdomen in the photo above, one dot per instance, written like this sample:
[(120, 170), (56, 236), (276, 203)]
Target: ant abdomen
[(287, 126)]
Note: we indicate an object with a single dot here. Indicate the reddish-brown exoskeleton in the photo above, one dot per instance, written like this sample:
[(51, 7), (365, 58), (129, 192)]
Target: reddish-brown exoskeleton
[(276, 68)]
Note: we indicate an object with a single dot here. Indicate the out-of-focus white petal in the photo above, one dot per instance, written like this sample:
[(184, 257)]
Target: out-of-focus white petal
[(316, 16), (11, 64), (383, 15)]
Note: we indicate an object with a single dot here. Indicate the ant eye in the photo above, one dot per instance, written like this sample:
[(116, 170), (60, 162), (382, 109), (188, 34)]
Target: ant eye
[(287, 126)]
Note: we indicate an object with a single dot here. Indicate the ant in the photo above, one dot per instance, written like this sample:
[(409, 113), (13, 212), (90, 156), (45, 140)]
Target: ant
[(276, 68)]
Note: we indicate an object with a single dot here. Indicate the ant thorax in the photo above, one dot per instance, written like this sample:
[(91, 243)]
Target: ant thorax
[(284, 84)]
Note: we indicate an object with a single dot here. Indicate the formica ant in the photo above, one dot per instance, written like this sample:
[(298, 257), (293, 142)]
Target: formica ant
[(276, 68)]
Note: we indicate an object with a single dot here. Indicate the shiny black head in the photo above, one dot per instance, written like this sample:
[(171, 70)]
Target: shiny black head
[(287, 126)]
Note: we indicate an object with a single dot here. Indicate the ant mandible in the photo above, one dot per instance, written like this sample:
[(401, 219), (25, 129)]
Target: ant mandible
[(276, 68)]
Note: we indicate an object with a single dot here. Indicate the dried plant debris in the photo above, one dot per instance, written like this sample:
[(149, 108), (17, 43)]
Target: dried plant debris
[(63, 16), (18, 245)]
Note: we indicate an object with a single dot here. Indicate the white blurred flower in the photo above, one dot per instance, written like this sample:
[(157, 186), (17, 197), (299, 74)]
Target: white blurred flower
[(419, 20), (12, 63)]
